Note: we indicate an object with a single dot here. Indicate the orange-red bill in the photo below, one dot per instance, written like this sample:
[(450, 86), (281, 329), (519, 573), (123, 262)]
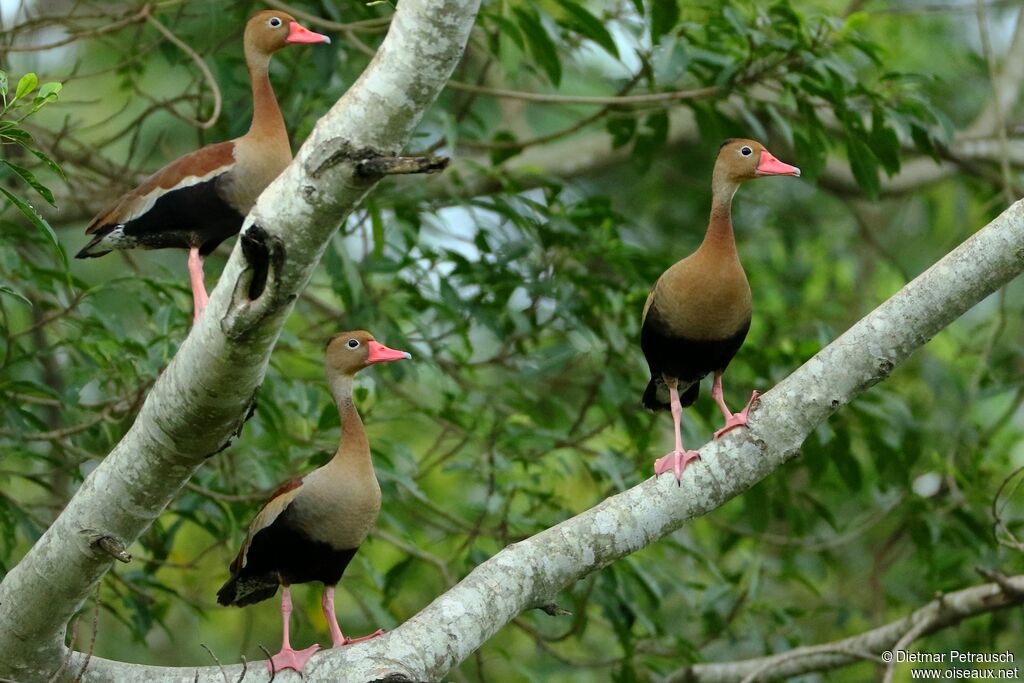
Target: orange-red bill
[(769, 165), (380, 353), (297, 33)]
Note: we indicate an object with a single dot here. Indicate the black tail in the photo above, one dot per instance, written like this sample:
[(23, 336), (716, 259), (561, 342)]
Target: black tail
[(652, 401), (247, 590)]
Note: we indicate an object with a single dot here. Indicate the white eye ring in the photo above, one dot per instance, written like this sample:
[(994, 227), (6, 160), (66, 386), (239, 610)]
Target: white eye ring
[(353, 343), (274, 22), (746, 151)]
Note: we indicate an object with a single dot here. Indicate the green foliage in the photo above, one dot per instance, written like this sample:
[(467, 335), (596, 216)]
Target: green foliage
[(16, 109), (519, 293)]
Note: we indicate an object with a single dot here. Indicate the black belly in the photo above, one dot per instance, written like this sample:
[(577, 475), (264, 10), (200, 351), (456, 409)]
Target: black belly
[(194, 216), (283, 550), (671, 354)]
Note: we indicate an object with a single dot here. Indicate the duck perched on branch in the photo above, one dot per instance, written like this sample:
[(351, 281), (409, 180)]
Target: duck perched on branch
[(199, 200), (311, 527), (698, 312)]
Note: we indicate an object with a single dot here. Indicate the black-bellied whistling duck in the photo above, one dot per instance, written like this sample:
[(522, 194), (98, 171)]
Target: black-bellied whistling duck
[(698, 312), (312, 526), (201, 199)]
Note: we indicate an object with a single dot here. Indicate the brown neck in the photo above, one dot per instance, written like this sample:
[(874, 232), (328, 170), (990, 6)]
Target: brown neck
[(266, 115), (719, 236), (354, 451)]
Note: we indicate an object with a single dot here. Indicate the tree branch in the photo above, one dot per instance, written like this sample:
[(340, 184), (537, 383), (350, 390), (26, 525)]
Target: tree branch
[(1005, 86), (531, 573), (946, 610), (203, 397)]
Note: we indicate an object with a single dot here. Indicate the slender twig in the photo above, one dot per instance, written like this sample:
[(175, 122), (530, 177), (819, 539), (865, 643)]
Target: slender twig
[(217, 661), (377, 24), (997, 105), (614, 100), (409, 549), (109, 28), (201, 63), (797, 654), (273, 670), (1009, 539), (95, 630)]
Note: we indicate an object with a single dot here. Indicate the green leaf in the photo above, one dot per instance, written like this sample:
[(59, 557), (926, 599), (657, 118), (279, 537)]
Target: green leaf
[(38, 221), (500, 154), (508, 29), (664, 17), (652, 137), (26, 84), (46, 94), (539, 43), (29, 178), (822, 510), (849, 470), (884, 143), (3, 83), (15, 134), (50, 163), (50, 89), (394, 576), (4, 289), (622, 130), (377, 229), (588, 26), (923, 139), (864, 166)]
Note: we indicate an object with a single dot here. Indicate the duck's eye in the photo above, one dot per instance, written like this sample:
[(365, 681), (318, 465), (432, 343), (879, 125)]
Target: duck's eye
[(353, 343), (274, 22), (746, 151)]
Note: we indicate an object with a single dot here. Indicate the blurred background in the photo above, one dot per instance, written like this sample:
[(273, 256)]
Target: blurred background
[(583, 134)]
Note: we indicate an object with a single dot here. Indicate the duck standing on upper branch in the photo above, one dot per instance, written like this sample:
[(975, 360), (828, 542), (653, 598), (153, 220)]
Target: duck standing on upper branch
[(698, 312), (312, 526), (201, 199)]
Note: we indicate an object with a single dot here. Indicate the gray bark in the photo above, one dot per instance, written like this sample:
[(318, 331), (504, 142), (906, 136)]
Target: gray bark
[(531, 573), (201, 400)]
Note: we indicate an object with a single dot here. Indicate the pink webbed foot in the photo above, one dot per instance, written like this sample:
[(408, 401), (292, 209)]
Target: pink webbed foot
[(352, 641), (288, 658), (676, 461), (339, 639), (737, 419)]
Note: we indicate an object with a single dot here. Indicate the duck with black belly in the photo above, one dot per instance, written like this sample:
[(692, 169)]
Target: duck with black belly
[(698, 312)]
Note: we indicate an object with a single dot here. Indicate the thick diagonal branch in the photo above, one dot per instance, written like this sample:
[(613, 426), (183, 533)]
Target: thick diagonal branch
[(531, 573), (204, 395)]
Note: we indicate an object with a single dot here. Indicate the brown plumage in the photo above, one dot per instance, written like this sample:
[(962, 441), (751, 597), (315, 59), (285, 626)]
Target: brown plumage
[(698, 312), (199, 200), (311, 527)]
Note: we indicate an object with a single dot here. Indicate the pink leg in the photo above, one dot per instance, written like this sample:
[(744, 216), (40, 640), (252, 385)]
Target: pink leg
[(195, 274), (678, 459), (732, 421), (337, 637), (288, 658)]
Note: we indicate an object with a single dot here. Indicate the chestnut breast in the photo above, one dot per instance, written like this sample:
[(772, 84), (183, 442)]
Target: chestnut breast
[(703, 297), (257, 164), (337, 507)]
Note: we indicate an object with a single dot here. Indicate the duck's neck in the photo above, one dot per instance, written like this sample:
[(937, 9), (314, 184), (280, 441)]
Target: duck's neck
[(267, 122), (353, 453), (719, 238)]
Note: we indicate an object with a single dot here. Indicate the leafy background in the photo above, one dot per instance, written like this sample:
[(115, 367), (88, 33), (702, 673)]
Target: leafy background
[(517, 281)]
